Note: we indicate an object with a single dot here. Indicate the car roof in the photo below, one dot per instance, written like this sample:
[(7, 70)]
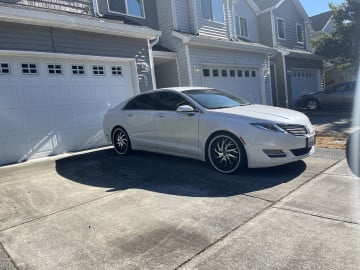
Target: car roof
[(185, 88)]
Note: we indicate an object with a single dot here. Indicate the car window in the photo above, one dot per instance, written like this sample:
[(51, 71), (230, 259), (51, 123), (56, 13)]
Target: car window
[(341, 87), (142, 102), (168, 101)]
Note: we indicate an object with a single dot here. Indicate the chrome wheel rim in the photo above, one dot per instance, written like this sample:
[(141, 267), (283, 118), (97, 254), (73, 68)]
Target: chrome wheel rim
[(311, 105), (224, 154), (121, 141)]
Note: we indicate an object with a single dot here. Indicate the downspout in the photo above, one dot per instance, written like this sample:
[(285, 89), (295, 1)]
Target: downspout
[(96, 9), (151, 59)]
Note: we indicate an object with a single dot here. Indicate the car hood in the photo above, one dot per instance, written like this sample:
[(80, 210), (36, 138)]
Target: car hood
[(266, 113)]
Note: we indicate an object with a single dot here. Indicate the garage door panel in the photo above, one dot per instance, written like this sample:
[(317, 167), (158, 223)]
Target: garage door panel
[(44, 113)]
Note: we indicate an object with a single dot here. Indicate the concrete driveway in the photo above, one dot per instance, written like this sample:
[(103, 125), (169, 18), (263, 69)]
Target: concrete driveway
[(95, 210)]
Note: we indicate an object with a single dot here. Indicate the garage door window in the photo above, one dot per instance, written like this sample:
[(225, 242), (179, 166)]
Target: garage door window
[(116, 71), (232, 73), (4, 69), (240, 73), (29, 69), (54, 69), (247, 73), (224, 73), (253, 73), (78, 70), (98, 70), (206, 72), (215, 73)]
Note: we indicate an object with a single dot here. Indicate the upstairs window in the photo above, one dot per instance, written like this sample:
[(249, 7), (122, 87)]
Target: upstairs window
[(281, 28), (128, 7), (212, 10), (299, 33), (241, 27)]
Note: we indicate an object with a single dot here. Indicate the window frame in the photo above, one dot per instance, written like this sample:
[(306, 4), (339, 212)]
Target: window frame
[(30, 63), (239, 33), (127, 9), (302, 34), (212, 13), (77, 65), (1, 69), (98, 66), (55, 64), (116, 71), (277, 28)]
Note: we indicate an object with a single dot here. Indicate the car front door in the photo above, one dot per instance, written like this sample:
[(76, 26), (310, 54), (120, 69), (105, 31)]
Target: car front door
[(335, 97), (176, 132), (139, 122)]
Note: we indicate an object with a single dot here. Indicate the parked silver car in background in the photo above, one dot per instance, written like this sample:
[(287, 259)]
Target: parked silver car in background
[(209, 125), (339, 95)]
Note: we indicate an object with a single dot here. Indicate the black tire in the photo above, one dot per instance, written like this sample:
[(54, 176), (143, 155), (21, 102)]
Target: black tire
[(353, 152), (225, 153), (312, 104), (121, 141)]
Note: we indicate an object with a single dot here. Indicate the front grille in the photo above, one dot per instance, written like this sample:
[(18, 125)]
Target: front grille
[(300, 151), (296, 130)]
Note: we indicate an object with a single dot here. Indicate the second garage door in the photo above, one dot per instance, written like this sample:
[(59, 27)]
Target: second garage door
[(242, 82), (304, 81), (52, 105)]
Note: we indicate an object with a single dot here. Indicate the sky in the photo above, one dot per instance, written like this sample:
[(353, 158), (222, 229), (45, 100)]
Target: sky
[(314, 7)]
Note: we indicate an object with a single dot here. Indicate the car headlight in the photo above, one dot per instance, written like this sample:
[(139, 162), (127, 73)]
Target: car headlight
[(269, 127)]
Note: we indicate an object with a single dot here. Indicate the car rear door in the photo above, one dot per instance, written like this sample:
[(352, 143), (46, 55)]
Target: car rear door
[(175, 132), (139, 121)]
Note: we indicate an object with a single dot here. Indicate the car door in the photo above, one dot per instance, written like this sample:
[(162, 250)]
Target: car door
[(139, 121), (176, 132), (349, 95), (335, 97)]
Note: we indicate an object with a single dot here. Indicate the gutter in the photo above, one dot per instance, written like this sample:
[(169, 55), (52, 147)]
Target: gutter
[(73, 22)]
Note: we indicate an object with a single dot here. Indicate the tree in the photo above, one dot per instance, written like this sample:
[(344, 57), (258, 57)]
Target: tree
[(342, 47)]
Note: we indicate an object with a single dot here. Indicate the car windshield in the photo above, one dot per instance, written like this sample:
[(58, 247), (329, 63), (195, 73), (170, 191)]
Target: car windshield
[(215, 99)]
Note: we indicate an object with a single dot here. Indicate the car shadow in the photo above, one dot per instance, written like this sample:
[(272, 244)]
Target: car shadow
[(168, 174)]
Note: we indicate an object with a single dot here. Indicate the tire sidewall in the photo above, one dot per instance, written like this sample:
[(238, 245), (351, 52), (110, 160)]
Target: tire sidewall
[(115, 132)]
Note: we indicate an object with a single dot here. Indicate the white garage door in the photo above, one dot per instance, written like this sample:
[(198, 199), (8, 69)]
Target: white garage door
[(304, 81), (55, 105), (241, 82)]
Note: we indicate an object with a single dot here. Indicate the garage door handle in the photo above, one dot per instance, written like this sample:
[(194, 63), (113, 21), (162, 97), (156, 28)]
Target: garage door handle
[(130, 114), (161, 115)]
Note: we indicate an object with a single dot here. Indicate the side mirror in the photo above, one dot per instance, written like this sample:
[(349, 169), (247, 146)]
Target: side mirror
[(185, 109)]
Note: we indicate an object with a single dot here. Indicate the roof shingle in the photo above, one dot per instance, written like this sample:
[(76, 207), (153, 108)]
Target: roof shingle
[(319, 21)]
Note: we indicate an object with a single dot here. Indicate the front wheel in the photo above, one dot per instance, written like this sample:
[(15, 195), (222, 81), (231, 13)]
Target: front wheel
[(121, 141), (226, 154), (312, 104)]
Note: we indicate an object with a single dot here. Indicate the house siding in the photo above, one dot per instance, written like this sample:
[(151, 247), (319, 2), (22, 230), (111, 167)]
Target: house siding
[(242, 9), (150, 11), (265, 29), (183, 16), (291, 16), (211, 28), (54, 40), (83, 7)]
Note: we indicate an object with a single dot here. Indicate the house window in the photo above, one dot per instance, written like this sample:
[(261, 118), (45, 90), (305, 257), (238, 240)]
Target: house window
[(212, 10), (224, 73), (281, 28), (299, 33), (4, 68), (206, 72), (29, 69), (116, 71), (232, 73), (78, 70), (54, 69), (247, 73), (215, 73), (128, 7), (98, 70), (240, 73), (241, 27)]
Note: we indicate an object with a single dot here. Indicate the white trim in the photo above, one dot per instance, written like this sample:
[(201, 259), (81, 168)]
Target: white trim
[(276, 84), (253, 5), (88, 24), (195, 14), (54, 64), (247, 28), (174, 16), (184, 38), (285, 82), (187, 53), (262, 86), (166, 55), (135, 78), (277, 28), (212, 14), (127, 10), (327, 24), (152, 66), (273, 29)]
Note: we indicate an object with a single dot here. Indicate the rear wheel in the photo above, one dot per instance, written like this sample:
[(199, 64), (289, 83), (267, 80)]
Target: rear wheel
[(121, 141), (225, 153), (312, 104)]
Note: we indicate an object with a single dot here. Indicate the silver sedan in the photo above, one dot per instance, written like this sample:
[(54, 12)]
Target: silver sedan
[(209, 125)]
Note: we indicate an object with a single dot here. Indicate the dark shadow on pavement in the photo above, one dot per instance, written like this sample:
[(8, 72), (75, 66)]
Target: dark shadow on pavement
[(168, 174)]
